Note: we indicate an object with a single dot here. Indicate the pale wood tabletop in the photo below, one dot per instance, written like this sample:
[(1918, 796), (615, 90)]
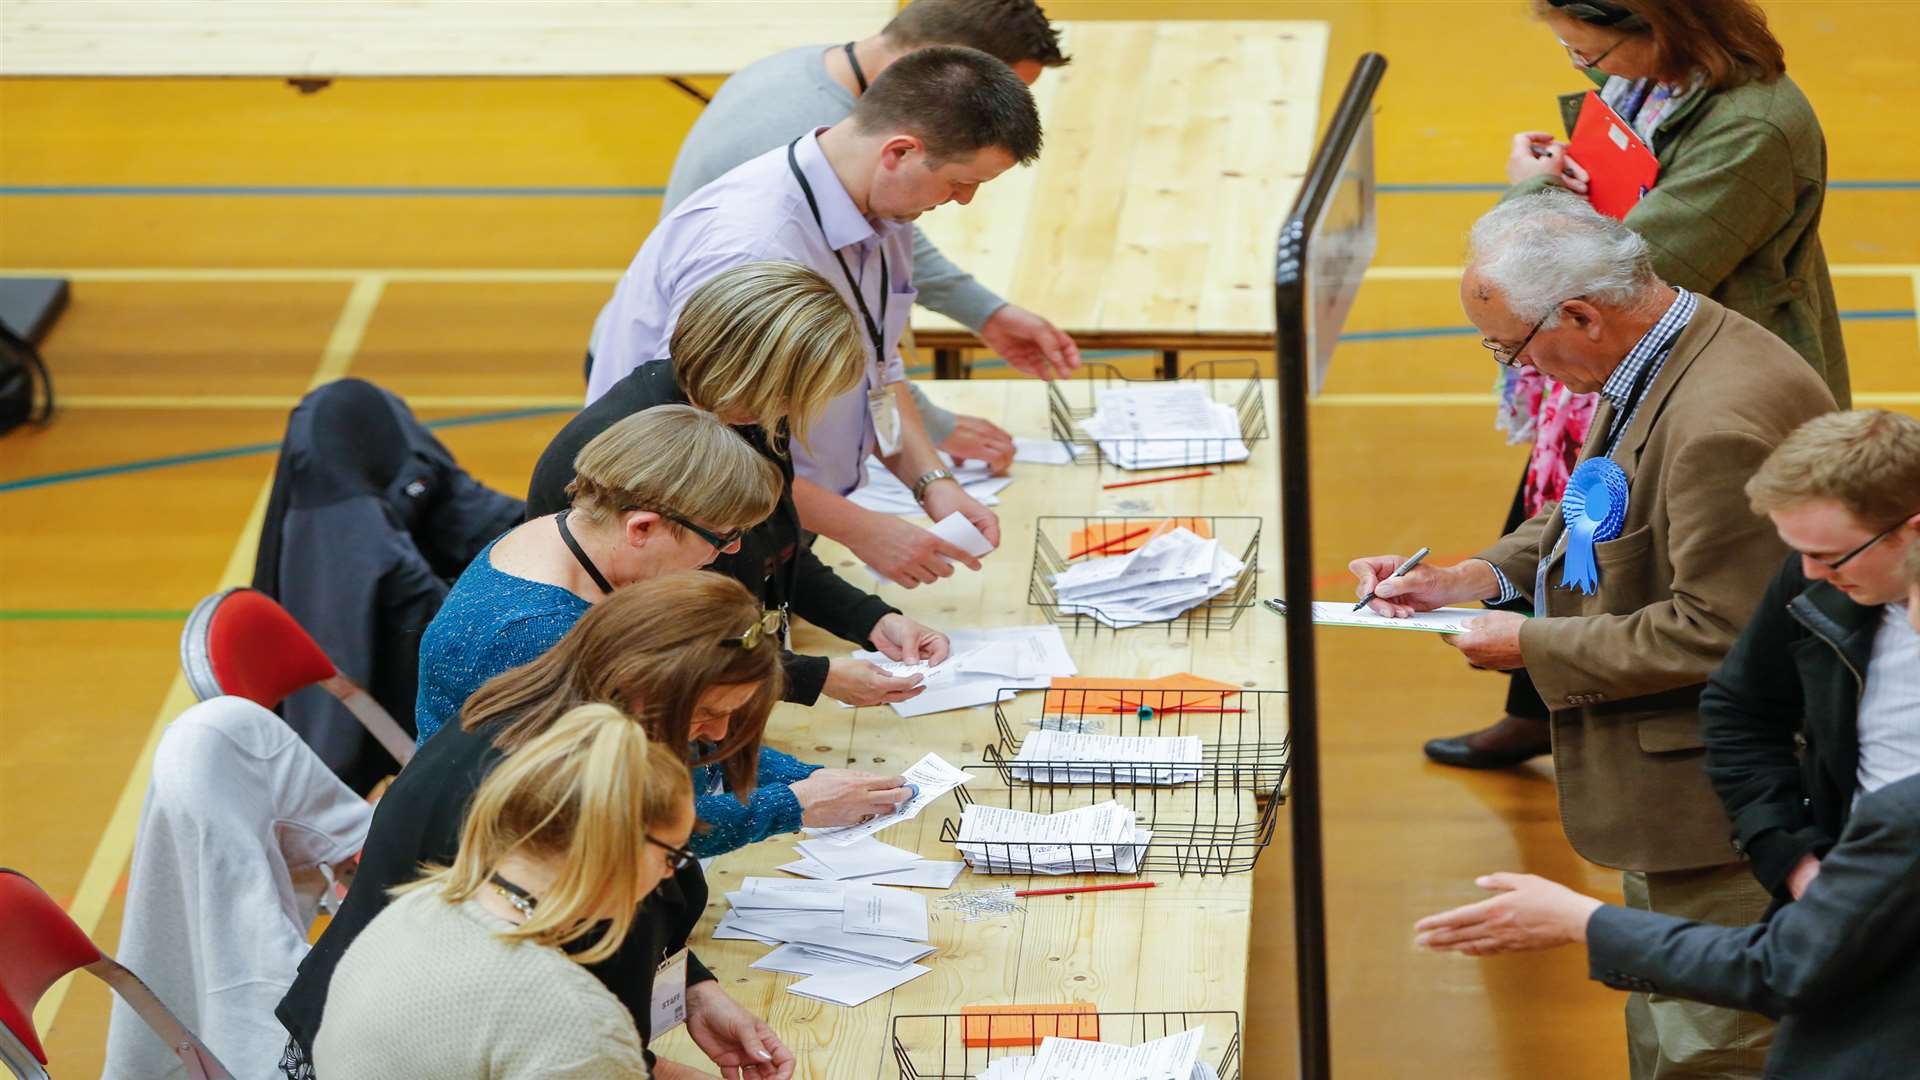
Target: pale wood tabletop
[(1173, 150), (319, 39), (1179, 946)]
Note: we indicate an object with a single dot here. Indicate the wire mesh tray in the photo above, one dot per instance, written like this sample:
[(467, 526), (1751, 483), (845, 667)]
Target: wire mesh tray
[(954, 1047), (1243, 736), (1054, 536), (1234, 383)]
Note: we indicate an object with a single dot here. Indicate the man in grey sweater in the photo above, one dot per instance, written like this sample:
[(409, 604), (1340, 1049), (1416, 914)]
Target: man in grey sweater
[(791, 93)]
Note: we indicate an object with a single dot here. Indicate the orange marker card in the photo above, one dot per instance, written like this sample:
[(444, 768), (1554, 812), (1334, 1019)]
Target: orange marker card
[(1026, 1025), (1125, 535), (1081, 694)]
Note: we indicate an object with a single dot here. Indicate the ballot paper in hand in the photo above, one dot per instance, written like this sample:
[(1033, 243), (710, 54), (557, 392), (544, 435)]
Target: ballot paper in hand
[(984, 663), (932, 777), (882, 492), (1102, 838), (1063, 757), (1446, 620), (1044, 451), (1164, 426), (1153, 583)]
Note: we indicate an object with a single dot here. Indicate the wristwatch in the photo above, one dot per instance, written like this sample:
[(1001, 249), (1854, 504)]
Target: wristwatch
[(928, 477)]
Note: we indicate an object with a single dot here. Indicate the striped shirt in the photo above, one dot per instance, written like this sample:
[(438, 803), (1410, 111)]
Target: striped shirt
[(1889, 716)]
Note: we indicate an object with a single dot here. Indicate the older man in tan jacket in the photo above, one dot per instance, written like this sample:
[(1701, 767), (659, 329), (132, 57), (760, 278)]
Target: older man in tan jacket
[(1694, 397)]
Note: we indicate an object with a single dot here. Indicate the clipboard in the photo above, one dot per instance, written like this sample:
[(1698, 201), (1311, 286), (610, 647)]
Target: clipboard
[(1620, 168)]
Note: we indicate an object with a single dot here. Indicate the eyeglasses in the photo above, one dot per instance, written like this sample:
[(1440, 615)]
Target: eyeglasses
[(1856, 552), (720, 541), (1506, 357), (1583, 63), (768, 626), (678, 858)]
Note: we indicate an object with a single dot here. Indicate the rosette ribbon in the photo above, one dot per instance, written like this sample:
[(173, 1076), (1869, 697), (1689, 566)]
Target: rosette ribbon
[(1594, 507)]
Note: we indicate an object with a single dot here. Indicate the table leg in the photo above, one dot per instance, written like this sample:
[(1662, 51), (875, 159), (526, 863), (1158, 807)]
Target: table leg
[(1169, 363), (947, 365)]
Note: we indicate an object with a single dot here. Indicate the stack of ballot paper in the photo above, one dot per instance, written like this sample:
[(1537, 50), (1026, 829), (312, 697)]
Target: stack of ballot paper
[(1164, 425), (1064, 757), (1152, 584), (1175, 1057), (980, 665), (882, 492), (853, 940), (1102, 838), (871, 862)]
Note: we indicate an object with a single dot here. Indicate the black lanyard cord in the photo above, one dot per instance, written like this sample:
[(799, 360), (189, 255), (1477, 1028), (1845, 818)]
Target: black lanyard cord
[(859, 299), (580, 554), (854, 63)]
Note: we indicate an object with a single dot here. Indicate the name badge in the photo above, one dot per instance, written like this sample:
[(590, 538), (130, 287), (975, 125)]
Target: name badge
[(885, 410), (669, 996)]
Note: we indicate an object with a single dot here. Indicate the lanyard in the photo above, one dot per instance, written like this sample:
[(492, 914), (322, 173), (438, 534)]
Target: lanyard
[(886, 287), (579, 555)]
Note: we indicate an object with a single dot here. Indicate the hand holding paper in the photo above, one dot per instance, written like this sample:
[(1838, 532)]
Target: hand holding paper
[(930, 778)]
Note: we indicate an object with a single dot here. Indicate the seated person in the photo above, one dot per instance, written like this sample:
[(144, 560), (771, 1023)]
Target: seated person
[(766, 346), (659, 492), (545, 881), (1840, 966), (685, 657)]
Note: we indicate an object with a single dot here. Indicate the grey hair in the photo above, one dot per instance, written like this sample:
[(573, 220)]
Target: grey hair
[(1544, 249)]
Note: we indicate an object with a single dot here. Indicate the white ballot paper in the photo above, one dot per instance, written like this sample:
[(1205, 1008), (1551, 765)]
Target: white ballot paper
[(1044, 451), (1022, 1068), (1446, 620), (871, 909), (854, 985), (882, 492), (1065, 757), (869, 861), (1153, 583), (983, 664), (1171, 1058), (786, 894), (931, 775), (1166, 425), (1103, 838)]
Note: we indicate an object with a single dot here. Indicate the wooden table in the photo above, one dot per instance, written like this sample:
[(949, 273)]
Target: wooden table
[(1173, 150), (325, 39), (1180, 946)]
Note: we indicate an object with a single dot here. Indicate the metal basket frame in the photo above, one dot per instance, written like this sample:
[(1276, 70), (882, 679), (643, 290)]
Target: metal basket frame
[(1218, 614), (955, 1060), (1070, 401)]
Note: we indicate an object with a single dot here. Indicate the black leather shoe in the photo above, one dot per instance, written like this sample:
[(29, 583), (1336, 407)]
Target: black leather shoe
[(1513, 740)]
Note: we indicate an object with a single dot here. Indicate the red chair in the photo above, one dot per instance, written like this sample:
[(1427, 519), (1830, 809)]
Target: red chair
[(241, 642), (38, 945)]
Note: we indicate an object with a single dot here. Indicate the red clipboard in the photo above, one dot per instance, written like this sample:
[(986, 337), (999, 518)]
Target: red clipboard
[(1620, 168)]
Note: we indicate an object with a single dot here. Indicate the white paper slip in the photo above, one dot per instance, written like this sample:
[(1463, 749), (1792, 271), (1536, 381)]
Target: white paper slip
[(955, 529), (932, 776), (921, 875), (883, 492), (785, 894), (1091, 839), (729, 930), (1044, 451), (871, 909), (1171, 1058), (1035, 653), (855, 986), (1062, 757), (1446, 620), (1159, 581), (859, 858), (793, 960)]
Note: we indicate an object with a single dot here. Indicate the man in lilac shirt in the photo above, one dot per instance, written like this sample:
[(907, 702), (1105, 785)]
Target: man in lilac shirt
[(933, 127)]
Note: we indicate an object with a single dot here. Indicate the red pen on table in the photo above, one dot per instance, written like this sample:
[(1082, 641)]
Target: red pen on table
[(1087, 888), (1156, 480), (1104, 546)]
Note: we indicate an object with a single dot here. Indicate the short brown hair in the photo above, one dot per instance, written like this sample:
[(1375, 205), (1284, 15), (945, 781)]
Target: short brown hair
[(677, 460), (958, 101), (651, 650), (1867, 460), (1011, 31), (1726, 42)]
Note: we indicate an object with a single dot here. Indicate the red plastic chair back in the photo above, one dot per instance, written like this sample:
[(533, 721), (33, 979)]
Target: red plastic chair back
[(241, 642), (38, 944)]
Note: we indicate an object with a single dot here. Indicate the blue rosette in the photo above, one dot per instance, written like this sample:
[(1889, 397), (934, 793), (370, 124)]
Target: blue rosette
[(1594, 508)]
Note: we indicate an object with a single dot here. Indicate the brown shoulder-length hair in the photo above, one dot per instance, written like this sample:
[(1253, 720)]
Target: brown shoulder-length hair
[(1726, 42), (651, 650)]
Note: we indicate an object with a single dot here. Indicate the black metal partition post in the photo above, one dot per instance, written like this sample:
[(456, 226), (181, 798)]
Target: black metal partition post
[(1293, 350)]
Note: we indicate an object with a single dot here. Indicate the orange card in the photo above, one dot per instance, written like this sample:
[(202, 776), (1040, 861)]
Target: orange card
[(1080, 694), (1026, 1025), (1121, 537)]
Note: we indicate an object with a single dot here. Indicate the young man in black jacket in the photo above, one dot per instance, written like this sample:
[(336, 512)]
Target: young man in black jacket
[(1828, 660)]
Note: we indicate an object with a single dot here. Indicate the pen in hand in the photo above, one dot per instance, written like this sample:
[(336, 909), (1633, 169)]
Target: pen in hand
[(1411, 562)]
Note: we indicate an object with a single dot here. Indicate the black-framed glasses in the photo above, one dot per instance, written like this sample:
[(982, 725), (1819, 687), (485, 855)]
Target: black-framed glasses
[(719, 541), (1583, 63), (1506, 357), (1858, 551), (767, 626), (678, 858)]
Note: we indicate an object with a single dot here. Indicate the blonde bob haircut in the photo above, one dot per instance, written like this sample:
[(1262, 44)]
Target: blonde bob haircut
[(584, 792), (770, 342), (1867, 460), (676, 460)]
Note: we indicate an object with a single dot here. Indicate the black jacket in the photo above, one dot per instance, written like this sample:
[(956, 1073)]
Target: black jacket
[(1794, 676), (775, 561), (1840, 966), (418, 821), (369, 522)]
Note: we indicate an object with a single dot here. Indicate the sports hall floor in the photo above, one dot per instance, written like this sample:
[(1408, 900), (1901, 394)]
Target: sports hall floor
[(203, 309)]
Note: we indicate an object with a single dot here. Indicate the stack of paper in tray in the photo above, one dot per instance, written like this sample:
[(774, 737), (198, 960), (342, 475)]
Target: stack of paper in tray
[(871, 862), (1175, 1057), (981, 665), (1102, 838), (1166, 425), (852, 940), (883, 492), (1064, 757), (1154, 583)]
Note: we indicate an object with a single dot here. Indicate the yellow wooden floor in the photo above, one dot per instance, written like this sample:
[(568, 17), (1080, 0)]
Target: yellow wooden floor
[(197, 320)]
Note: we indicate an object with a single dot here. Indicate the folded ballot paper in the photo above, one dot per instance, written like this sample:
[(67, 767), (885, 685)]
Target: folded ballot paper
[(1154, 583), (980, 666), (931, 778), (1093, 839), (882, 492), (1175, 1057), (872, 862), (1163, 426), (852, 940), (1065, 757)]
